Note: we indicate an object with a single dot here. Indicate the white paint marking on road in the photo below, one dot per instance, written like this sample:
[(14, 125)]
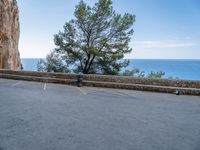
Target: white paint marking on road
[(45, 87), (123, 92), (95, 89), (80, 90), (15, 84)]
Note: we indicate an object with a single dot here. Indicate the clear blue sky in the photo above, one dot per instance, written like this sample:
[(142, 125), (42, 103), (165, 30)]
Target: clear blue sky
[(164, 29)]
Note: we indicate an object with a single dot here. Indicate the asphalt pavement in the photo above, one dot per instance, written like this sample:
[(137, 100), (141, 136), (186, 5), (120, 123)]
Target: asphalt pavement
[(40, 116)]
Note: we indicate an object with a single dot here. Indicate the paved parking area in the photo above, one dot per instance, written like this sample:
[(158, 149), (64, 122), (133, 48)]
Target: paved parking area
[(38, 116)]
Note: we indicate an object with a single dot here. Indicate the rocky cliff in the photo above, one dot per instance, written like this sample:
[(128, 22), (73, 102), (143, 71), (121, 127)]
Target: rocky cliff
[(9, 35)]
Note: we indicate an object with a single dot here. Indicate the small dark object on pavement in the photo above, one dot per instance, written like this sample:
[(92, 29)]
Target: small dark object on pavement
[(80, 80), (177, 92)]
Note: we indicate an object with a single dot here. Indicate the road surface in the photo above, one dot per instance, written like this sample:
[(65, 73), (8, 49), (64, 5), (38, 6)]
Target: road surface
[(40, 116)]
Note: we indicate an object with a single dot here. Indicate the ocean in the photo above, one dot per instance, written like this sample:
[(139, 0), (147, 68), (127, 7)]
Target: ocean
[(182, 68)]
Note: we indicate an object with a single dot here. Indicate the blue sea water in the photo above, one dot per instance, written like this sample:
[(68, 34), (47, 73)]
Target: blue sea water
[(181, 68), (29, 64)]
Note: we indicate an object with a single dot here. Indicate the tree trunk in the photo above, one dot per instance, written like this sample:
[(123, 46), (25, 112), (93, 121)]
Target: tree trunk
[(86, 65), (90, 64)]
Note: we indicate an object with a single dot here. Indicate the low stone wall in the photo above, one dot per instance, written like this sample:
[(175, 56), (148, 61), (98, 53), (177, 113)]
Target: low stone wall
[(189, 87), (144, 81), (40, 74)]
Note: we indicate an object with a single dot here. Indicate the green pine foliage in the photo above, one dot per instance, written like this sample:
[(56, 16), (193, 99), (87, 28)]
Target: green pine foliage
[(53, 63), (135, 72), (96, 39)]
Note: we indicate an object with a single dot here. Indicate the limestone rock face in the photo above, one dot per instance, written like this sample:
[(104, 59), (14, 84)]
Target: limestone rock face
[(9, 35)]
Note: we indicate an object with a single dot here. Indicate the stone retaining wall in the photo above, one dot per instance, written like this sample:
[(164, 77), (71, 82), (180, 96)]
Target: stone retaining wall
[(189, 87), (144, 81), (40, 74)]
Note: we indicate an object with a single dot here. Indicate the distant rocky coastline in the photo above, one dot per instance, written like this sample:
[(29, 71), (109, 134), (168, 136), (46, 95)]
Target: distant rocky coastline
[(9, 35)]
